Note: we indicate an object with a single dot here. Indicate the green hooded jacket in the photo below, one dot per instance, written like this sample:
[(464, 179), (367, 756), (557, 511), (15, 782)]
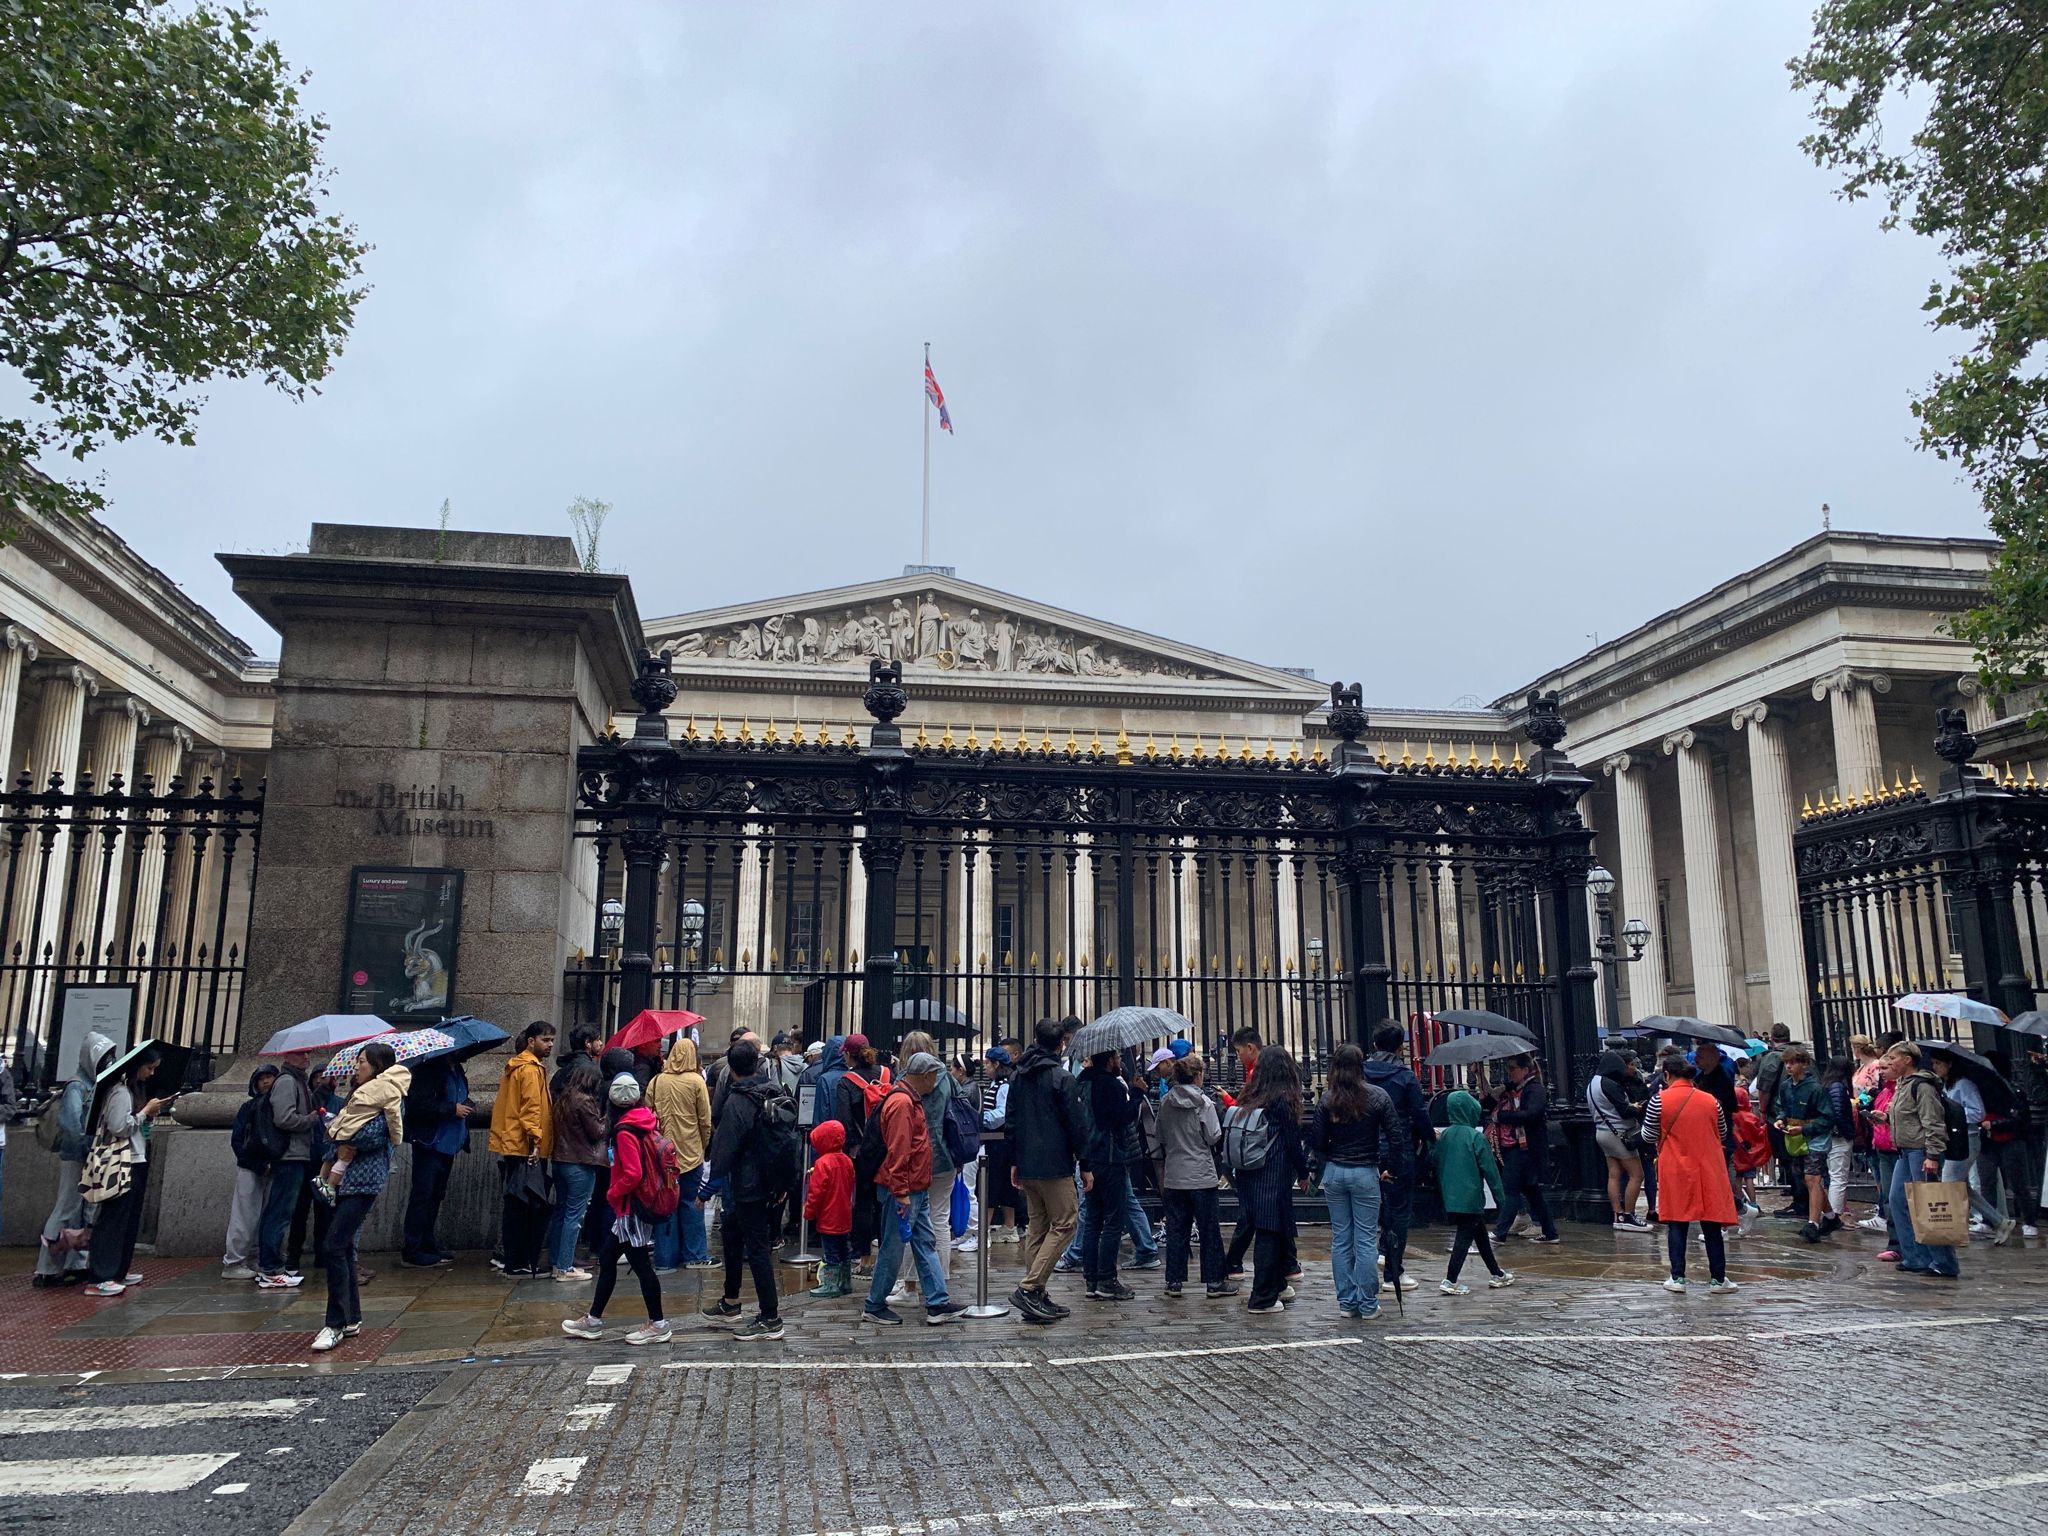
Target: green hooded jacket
[(1465, 1164)]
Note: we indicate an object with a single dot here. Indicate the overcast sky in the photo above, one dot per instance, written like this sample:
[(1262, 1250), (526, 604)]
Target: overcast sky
[(1412, 344)]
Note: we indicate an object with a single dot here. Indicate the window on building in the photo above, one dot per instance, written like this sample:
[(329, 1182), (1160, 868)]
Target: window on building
[(800, 936), (1005, 957), (1664, 928)]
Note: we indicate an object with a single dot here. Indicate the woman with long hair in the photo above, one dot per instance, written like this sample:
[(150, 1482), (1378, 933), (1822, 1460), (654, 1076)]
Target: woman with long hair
[(1268, 1191), (1351, 1125), (119, 1220), (581, 1153), (357, 1189)]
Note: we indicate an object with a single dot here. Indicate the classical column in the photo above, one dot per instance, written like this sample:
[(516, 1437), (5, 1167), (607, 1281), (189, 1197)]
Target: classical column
[(753, 929), (1770, 793), (1189, 950), (856, 924), (116, 718), (185, 910), (17, 651), (1706, 901), (1079, 999), (1638, 896), (163, 747), (1292, 963), (1980, 710), (1852, 704), (63, 687)]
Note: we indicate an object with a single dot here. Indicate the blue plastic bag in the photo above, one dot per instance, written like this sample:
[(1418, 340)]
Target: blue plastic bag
[(963, 1205)]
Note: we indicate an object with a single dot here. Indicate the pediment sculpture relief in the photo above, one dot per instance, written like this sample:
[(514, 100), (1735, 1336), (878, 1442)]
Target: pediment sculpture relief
[(920, 631)]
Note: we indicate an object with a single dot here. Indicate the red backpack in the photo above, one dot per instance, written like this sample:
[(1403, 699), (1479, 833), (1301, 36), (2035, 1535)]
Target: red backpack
[(661, 1177)]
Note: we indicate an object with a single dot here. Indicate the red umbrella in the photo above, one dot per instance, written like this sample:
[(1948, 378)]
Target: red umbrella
[(650, 1025)]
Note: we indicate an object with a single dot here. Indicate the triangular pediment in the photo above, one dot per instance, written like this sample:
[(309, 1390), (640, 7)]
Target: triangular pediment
[(943, 627)]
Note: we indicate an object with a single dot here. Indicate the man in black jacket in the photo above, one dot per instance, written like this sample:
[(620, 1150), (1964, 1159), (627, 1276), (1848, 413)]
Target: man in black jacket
[(1408, 1134), (739, 1157), (1048, 1131), (1523, 1116)]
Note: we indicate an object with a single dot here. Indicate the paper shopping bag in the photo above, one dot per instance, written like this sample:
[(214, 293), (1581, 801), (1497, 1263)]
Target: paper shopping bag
[(1940, 1214)]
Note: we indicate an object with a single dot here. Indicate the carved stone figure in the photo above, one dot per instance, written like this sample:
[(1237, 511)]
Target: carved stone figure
[(902, 631), (874, 637), (691, 644), (970, 641), (810, 642), (745, 644), (1005, 636), (839, 638), (931, 628)]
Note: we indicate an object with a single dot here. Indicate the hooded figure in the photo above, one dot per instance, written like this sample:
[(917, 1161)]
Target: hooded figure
[(681, 1101), (826, 1074), (1465, 1166), (61, 1260)]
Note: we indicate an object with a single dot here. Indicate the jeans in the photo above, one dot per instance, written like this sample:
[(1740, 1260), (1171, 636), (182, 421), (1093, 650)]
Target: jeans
[(1523, 1177), (245, 1216), (1102, 1213), (1144, 1247), (115, 1229), (1963, 1170), (641, 1261), (750, 1241), (1190, 1212), (1885, 1162), (1471, 1229), (923, 1249), (574, 1183), (286, 1180), (1353, 1196), (1840, 1151), (1675, 1233), (836, 1251), (1051, 1215), (1397, 1209), (681, 1238), (430, 1174), (1914, 1254), (344, 1306), (307, 1212)]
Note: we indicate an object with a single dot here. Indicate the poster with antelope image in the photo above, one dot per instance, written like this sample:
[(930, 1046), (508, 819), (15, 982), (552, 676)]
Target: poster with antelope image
[(398, 959)]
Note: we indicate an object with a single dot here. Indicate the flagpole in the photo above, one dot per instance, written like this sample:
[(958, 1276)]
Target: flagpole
[(925, 546)]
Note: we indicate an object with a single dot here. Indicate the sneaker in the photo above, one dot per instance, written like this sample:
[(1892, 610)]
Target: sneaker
[(1007, 1235), (1745, 1220), (1287, 1293), (1722, 1287), (1173, 1292), (1501, 1281), (1889, 1256), (115, 1288), (669, 1269), (1221, 1288), (1153, 1262), (2006, 1228), (1276, 1306), (651, 1333), (582, 1328), (1065, 1268), (968, 1245), (497, 1261), (2028, 1229), (1366, 1314), (880, 1317), (1454, 1288), (1114, 1290), (1830, 1224), (762, 1330), (133, 1277), (1047, 1304), (1811, 1233), (705, 1264), (238, 1272), (351, 1330), (1621, 1224), (1409, 1282), (1676, 1285), (944, 1312), (1031, 1306), (283, 1280), (1294, 1275), (572, 1275), (1637, 1224), (1872, 1224), (722, 1311), (902, 1291), (326, 1339), (1538, 1237)]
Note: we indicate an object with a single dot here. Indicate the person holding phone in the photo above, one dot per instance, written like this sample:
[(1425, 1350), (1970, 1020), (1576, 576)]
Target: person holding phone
[(114, 1230)]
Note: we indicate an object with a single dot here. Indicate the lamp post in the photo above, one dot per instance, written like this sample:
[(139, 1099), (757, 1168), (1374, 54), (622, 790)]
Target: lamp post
[(1635, 933), (693, 944), (1315, 971), (611, 926)]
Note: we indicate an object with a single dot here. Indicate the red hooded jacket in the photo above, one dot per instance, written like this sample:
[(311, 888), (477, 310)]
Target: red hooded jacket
[(634, 1124), (828, 1203)]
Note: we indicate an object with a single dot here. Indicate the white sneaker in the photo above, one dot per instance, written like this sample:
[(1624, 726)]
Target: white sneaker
[(238, 1272), (1675, 1285), (326, 1339), (1287, 1293), (1408, 1282), (1722, 1287), (582, 1328), (968, 1245), (133, 1277), (2030, 1230), (1501, 1281), (572, 1274), (1454, 1288), (651, 1333), (1872, 1224)]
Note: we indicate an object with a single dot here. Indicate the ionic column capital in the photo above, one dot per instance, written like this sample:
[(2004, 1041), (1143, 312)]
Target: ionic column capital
[(1845, 680), (1969, 685), (125, 704), (1679, 741), (62, 669), (18, 639), (1753, 714), (172, 732), (1615, 766)]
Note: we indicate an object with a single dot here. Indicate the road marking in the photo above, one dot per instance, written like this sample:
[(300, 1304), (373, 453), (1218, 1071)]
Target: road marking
[(1761, 1335), (232, 1488), (587, 1415), (349, 1397), (1221, 1349), (108, 1474), (553, 1474), (853, 1365), (41, 1421), (608, 1376), (993, 1517)]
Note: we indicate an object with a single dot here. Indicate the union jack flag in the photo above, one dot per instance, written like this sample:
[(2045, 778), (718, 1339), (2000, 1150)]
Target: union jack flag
[(937, 396)]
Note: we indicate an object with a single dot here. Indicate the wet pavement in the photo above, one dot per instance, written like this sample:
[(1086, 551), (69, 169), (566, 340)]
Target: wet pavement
[(1828, 1393)]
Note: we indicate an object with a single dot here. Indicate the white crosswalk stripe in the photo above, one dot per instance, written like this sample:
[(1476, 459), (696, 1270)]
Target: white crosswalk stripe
[(47, 1421), (555, 1474), (108, 1474)]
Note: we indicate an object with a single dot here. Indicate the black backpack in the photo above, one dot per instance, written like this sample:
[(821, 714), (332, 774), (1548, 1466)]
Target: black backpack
[(264, 1143), (1958, 1129), (780, 1142)]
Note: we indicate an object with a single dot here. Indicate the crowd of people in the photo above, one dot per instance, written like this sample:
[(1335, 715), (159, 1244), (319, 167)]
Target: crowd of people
[(623, 1155)]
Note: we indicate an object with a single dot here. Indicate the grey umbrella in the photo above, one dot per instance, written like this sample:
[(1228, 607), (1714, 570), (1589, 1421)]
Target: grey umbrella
[(1997, 1091), (1486, 1023), (1470, 1050), (1683, 1027), (1121, 1028), (2032, 1022)]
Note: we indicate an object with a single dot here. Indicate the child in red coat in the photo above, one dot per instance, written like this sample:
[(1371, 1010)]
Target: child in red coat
[(1752, 1147), (828, 1206)]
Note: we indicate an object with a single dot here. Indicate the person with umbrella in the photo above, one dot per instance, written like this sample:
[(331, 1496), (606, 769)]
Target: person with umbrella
[(294, 1116), (437, 1112), (1959, 1085), (1521, 1118), (121, 1121), (360, 1181), (58, 1260)]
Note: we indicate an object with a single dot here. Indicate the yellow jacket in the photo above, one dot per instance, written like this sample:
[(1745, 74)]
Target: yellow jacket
[(522, 1121), (682, 1103)]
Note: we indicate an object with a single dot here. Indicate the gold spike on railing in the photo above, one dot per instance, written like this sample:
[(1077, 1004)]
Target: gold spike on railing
[(1123, 748), (718, 730), (796, 733), (995, 742), (946, 741), (1518, 765), (770, 738), (851, 739), (973, 743), (1493, 760), (1805, 808), (1073, 746), (923, 742), (1045, 743), (1429, 756), (1407, 757), (1196, 755), (1294, 752)]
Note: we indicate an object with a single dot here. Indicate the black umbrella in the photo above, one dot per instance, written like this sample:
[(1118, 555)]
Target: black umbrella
[(1487, 1023), (1990, 1081), (1470, 1050), (169, 1077), (1684, 1028), (935, 1017)]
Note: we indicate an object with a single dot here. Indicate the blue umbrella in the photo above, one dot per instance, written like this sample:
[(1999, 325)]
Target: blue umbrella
[(472, 1037)]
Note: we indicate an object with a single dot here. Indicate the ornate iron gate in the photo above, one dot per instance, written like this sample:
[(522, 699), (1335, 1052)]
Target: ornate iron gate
[(1009, 879), (1910, 892)]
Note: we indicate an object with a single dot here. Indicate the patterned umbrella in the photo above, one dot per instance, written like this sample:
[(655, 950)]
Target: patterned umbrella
[(406, 1047), (1950, 1005), (1121, 1028)]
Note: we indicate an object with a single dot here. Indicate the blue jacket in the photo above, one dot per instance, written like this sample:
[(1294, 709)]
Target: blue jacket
[(1409, 1129), (430, 1118), (371, 1167), (830, 1069)]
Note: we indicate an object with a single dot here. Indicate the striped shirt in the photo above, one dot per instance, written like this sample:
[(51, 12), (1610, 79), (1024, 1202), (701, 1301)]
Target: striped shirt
[(1655, 1108)]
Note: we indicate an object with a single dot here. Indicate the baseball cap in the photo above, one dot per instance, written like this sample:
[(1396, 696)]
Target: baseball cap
[(855, 1042), (1163, 1054), (999, 1055), (923, 1061), (1181, 1048)]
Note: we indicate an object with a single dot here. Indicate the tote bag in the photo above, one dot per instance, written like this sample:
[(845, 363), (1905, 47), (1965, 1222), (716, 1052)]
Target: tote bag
[(107, 1175), (1940, 1213)]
